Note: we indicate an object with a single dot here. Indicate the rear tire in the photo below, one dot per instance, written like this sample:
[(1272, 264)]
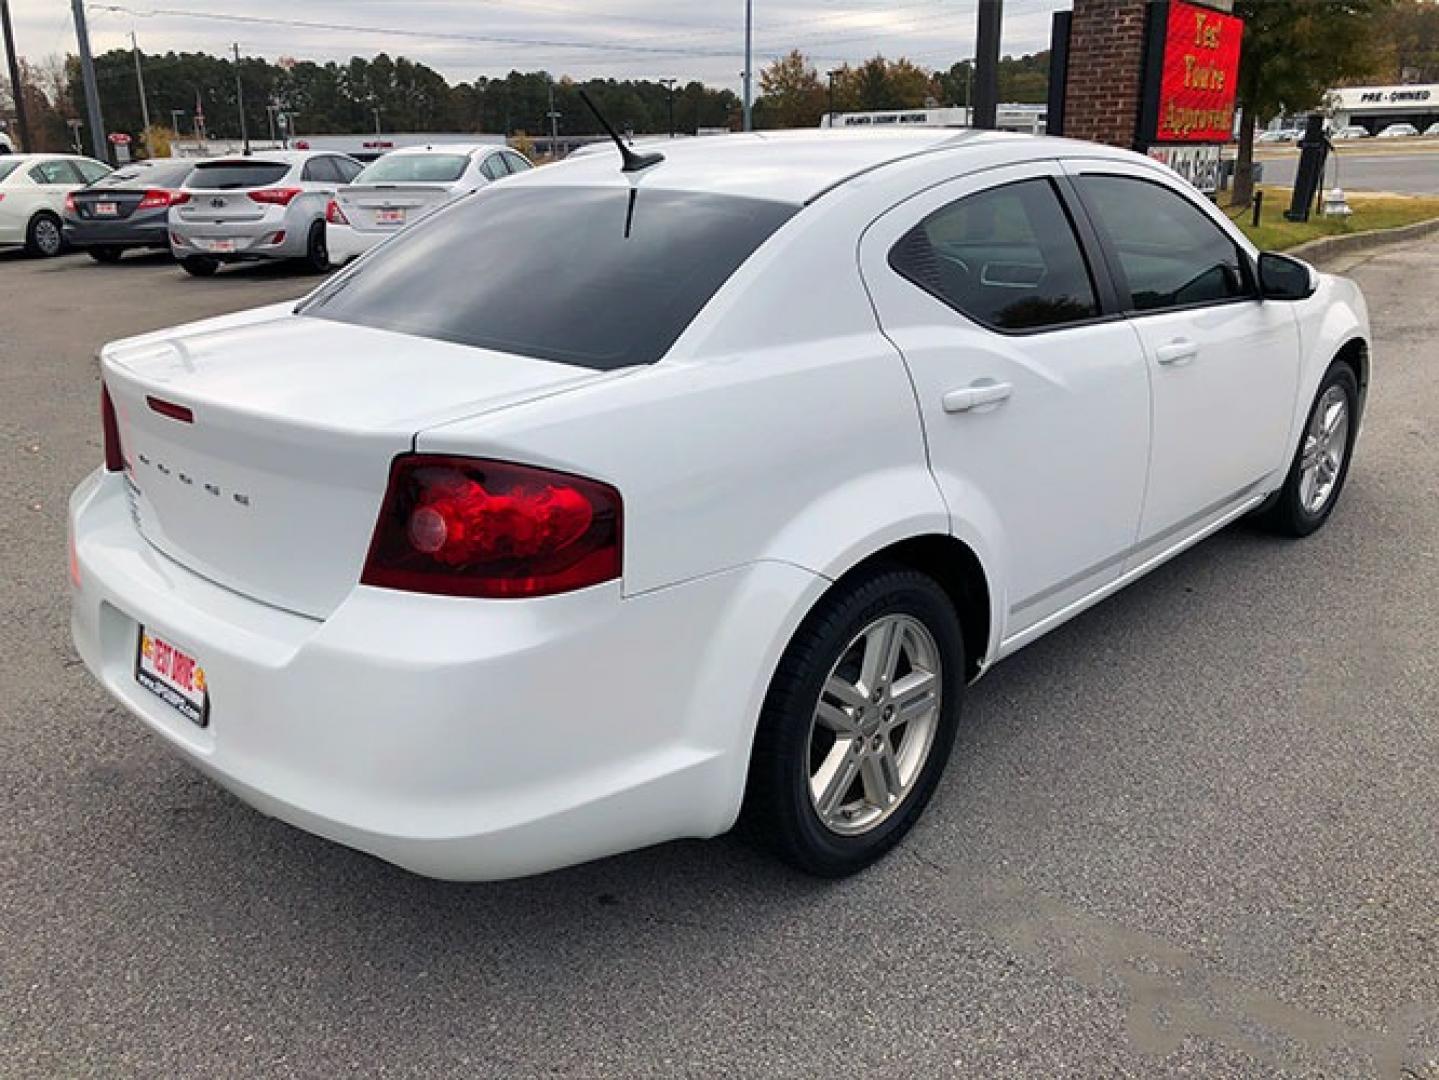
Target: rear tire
[(835, 780), (107, 254), (317, 252), (1321, 463), (200, 266), (44, 239)]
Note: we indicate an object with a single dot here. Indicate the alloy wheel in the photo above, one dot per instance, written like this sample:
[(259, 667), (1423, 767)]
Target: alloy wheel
[(1325, 445), (874, 724)]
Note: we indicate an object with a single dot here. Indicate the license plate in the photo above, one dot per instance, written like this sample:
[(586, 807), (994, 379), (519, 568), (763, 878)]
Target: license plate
[(220, 246), (106, 209), (173, 676), (391, 217)]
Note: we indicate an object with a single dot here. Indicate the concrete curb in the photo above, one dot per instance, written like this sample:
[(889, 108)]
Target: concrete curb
[(1329, 247)]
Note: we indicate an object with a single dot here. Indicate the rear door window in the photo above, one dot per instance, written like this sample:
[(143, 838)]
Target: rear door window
[(494, 167), (1007, 257), (600, 277), (516, 163), (233, 175), (321, 170), (6, 168)]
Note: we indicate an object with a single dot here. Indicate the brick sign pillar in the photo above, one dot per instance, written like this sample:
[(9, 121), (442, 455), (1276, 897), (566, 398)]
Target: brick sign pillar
[(1105, 62)]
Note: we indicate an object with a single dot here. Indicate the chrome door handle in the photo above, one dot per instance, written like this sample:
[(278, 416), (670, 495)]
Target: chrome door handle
[(1178, 351), (975, 397)]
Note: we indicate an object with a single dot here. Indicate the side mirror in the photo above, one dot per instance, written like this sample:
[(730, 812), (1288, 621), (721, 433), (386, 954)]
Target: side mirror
[(1283, 278)]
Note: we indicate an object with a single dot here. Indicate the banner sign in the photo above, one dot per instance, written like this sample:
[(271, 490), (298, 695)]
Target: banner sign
[(1191, 74)]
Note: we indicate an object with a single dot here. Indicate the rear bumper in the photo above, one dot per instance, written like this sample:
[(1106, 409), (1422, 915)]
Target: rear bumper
[(151, 232), (248, 240), (460, 739), (345, 242)]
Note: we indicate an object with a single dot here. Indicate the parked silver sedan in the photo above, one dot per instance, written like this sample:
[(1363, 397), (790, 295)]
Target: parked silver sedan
[(267, 206)]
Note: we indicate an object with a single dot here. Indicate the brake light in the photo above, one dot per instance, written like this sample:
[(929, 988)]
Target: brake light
[(114, 456), (280, 196), (156, 198), (70, 203), (334, 215), (459, 526)]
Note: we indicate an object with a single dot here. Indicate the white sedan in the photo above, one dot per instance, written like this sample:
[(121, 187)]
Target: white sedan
[(405, 186), (32, 197), (604, 508)]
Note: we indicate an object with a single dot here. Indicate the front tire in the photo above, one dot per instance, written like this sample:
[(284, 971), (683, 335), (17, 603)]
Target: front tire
[(200, 266), (1321, 463), (858, 723), (44, 238)]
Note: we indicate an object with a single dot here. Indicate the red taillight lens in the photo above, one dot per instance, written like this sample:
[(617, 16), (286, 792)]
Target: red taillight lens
[(280, 196), (466, 527), (156, 198), (334, 215), (114, 456), (70, 203)]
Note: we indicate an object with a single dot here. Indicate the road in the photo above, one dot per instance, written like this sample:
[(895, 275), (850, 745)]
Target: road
[(1192, 832), (1408, 174)]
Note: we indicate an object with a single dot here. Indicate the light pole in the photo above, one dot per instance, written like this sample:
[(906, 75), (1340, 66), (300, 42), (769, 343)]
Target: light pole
[(240, 102), (553, 116), (92, 90), (748, 64), (376, 114), (669, 84), (986, 62), (831, 74), (14, 59)]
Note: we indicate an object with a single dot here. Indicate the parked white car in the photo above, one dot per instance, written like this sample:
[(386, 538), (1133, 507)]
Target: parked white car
[(407, 185), (267, 206), (1398, 131), (601, 508), (32, 197), (1353, 131)]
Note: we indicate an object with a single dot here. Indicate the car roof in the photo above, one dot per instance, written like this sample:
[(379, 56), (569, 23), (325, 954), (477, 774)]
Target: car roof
[(797, 166), (444, 148)]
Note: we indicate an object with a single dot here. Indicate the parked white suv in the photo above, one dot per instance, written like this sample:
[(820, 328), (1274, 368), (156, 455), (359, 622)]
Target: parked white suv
[(268, 206), (406, 185), (32, 197)]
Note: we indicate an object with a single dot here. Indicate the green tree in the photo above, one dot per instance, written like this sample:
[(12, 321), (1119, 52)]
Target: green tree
[(1295, 50), (791, 93)]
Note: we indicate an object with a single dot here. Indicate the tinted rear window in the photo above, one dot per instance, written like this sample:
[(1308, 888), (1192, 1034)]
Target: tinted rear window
[(414, 168), (7, 167), (599, 277), (237, 174), (148, 176)]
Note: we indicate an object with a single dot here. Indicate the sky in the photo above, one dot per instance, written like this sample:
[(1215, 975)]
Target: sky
[(461, 39)]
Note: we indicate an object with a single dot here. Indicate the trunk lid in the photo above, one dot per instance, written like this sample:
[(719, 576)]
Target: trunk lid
[(219, 190), (272, 489), (107, 204), (385, 208)]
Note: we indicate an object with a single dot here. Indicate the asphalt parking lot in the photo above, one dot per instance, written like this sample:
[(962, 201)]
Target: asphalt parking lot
[(1194, 832)]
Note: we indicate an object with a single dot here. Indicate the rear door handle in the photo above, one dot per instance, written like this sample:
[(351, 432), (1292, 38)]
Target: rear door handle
[(975, 397), (1178, 351)]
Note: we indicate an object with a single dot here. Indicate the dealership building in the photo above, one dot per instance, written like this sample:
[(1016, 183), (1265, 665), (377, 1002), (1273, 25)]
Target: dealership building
[(1376, 107)]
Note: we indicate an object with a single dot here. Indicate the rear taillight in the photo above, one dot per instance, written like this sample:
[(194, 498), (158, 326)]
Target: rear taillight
[(157, 198), (334, 215), (70, 203), (280, 196), (114, 456), (461, 526)]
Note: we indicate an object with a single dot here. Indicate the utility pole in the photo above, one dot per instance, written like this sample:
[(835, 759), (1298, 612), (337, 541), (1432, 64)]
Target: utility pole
[(554, 118), (748, 64), (19, 94), (92, 91), (140, 82), (669, 84), (986, 62), (239, 100)]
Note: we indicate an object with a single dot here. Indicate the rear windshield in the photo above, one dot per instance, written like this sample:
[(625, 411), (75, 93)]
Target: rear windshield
[(599, 277), (7, 167), (148, 176), (236, 174), (414, 168)]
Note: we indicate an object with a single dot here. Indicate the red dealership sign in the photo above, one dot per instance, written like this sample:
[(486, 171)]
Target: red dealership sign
[(1193, 74)]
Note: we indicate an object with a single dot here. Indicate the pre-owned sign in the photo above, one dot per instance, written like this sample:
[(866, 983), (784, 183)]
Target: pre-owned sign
[(1191, 74)]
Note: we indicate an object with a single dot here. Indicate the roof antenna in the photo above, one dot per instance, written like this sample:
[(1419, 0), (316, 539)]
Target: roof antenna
[(633, 162)]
